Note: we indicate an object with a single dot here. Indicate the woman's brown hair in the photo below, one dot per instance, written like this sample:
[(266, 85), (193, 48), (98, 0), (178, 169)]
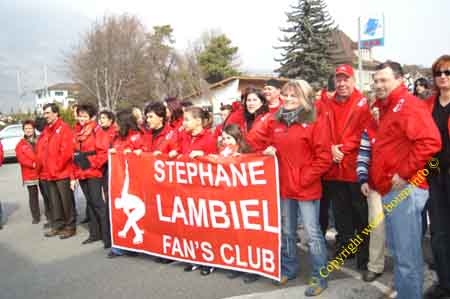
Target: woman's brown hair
[(443, 61), (235, 131), (203, 114)]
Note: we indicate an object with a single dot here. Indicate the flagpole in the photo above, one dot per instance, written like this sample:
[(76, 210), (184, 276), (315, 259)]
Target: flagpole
[(359, 55)]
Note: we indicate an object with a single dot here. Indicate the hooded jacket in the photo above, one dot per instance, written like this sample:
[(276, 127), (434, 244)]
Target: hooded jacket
[(238, 118), (186, 143), (346, 120), (406, 139), (58, 151), (160, 141), (302, 149), (133, 141), (86, 141), (27, 158), (41, 145)]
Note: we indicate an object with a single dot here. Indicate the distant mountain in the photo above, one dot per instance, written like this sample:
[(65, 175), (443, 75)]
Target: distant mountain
[(34, 34)]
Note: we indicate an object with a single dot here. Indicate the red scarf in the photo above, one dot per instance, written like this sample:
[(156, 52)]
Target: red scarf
[(85, 131)]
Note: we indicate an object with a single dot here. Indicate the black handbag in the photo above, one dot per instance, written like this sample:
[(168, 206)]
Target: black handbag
[(80, 159)]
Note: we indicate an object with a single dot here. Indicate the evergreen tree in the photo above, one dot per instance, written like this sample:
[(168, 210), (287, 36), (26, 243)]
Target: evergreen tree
[(308, 44), (216, 60)]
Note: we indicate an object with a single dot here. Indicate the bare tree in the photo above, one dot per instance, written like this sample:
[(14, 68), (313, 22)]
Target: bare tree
[(118, 63), (108, 59)]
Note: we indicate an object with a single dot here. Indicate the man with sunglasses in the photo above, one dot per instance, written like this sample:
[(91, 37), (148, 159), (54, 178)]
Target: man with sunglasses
[(439, 201)]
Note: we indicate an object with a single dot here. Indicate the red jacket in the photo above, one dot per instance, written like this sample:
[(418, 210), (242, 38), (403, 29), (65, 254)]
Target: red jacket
[(303, 152), (160, 142), (346, 120), (107, 136), (133, 141), (218, 130), (277, 107), (41, 145), (235, 106), (86, 141), (406, 139), (238, 118), (185, 143), (77, 127), (27, 158), (320, 103), (1, 153), (176, 124), (372, 130), (58, 151)]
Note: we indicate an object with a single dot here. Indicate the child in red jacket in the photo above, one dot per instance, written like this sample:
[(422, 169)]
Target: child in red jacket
[(129, 139), (232, 141), (194, 140)]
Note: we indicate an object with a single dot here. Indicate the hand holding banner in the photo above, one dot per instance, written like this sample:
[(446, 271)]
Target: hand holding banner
[(220, 212)]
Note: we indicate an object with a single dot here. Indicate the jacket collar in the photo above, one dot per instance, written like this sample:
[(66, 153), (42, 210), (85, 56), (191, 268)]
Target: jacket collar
[(86, 130), (355, 94), (55, 125), (393, 97), (199, 135), (303, 117)]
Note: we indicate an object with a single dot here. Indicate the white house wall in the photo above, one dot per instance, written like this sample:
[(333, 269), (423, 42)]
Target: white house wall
[(51, 97), (225, 94), (366, 79)]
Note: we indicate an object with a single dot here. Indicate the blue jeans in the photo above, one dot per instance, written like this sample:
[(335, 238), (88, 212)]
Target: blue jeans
[(310, 215), (403, 225), (118, 251)]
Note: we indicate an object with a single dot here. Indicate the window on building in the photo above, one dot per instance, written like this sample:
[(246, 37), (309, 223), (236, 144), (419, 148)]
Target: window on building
[(59, 93)]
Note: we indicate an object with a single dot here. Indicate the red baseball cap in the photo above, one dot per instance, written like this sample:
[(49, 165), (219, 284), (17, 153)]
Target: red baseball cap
[(344, 69)]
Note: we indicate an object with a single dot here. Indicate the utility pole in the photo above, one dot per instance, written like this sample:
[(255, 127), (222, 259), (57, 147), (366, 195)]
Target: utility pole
[(360, 68), (19, 86), (45, 81)]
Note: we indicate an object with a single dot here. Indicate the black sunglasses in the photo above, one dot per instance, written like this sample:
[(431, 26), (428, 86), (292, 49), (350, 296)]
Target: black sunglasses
[(439, 73)]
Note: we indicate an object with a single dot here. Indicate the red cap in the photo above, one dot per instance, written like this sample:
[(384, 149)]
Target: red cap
[(344, 69)]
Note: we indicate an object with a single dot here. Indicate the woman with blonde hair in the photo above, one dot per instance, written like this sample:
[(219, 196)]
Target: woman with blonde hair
[(301, 143)]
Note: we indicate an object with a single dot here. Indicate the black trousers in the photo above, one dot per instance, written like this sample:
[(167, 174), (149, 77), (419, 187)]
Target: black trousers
[(92, 189), (33, 199), (424, 219), (351, 216), (439, 211), (62, 202), (43, 187), (107, 225)]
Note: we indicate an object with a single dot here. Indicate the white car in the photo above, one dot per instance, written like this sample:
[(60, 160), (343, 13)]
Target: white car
[(10, 137)]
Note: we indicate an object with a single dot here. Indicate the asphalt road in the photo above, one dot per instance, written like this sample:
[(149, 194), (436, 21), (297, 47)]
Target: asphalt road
[(35, 267)]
